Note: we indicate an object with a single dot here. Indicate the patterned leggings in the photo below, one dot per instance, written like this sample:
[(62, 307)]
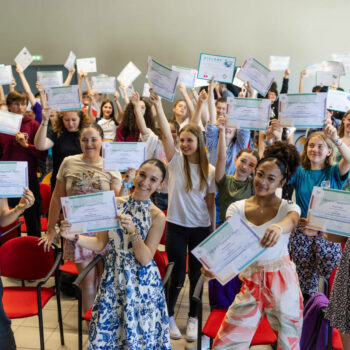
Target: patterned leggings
[(313, 257), (270, 289)]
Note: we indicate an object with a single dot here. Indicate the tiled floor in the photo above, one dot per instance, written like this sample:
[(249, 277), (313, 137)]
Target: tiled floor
[(27, 331)]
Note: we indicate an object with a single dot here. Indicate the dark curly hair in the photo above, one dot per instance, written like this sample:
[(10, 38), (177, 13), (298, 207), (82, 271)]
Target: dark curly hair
[(129, 120), (285, 155)]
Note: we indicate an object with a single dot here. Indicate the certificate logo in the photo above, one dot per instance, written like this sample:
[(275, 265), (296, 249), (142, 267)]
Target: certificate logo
[(228, 64)]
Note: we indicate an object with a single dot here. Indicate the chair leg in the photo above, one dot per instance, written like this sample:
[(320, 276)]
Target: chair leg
[(199, 329), (59, 310), (41, 327), (80, 323)]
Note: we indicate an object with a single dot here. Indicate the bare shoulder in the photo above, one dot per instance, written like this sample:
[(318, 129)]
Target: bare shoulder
[(156, 214)]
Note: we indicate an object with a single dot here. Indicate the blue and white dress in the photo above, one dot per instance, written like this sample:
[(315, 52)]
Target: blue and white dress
[(130, 311)]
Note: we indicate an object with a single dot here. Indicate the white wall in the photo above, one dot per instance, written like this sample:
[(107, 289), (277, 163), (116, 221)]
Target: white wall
[(176, 32)]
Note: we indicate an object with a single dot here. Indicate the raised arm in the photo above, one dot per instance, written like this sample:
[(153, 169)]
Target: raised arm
[(187, 99), (285, 82), (211, 102), (13, 84), (140, 120), (125, 95), (2, 95), (196, 118), (41, 141), (301, 81), (167, 138), (220, 166), (26, 86), (119, 116), (69, 76)]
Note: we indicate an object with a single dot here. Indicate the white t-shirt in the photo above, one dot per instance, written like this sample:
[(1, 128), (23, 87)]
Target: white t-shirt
[(281, 248), (109, 128), (188, 209)]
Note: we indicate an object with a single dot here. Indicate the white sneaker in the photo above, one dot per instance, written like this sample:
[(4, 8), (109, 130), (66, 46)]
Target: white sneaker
[(174, 331), (191, 330)]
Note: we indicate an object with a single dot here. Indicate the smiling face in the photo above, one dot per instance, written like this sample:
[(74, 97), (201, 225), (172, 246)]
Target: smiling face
[(180, 108), (71, 121), (245, 165), (271, 95), (107, 110), (267, 179), (220, 109), (91, 143), (346, 123), (147, 181), (317, 150), (188, 143)]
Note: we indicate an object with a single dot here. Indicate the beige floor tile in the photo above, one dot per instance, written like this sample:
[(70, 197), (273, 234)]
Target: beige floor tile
[(28, 337), (70, 341), (70, 322), (50, 319)]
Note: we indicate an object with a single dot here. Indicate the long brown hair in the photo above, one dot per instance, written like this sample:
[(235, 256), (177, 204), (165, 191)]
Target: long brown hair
[(203, 159), (58, 125), (341, 128), (305, 161)]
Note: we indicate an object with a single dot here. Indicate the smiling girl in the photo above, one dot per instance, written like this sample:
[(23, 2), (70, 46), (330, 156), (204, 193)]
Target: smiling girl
[(108, 121)]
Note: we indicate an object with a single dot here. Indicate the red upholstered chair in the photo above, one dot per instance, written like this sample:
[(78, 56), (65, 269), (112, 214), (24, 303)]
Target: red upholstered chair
[(10, 231), (264, 335), (21, 258)]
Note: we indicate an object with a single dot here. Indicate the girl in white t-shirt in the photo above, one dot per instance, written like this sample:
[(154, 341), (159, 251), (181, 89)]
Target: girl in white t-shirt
[(108, 121), (191, 209), (270, 285)]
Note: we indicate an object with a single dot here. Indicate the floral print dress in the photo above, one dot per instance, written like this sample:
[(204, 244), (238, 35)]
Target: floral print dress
[(130, 311)]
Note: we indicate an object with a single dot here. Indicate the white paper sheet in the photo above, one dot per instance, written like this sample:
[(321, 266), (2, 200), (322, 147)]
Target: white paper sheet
[(129, 73), (87, 65), (14, 179), (24, 59)]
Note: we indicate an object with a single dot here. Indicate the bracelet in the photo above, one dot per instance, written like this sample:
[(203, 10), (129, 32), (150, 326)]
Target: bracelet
[(278, 226), (76, 239), (135, 238), (338, 141), (45, 124), (127, 185)]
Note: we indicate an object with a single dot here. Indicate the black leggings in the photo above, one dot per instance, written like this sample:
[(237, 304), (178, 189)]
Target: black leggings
[(176, 241)]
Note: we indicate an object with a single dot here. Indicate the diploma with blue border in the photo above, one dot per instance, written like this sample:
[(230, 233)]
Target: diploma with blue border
[(222, 68), (248, 113), (338, 100), (64, 98), (103, 85), (93, 212), (229, 249), (10, 123), (50, 78), (329, 211), (13, 179), (302, 110)]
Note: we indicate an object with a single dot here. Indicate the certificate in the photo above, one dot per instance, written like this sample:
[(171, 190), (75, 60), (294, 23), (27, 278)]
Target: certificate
[(328, 211), (302, 110), (91, 212), (119, 156), (103, 85), (24, 59), (200, 82), (338, 100), (128, 74), (50, 79), (10, 123), (14, 179), (279, 63), (5, 75), (229, 249), (86, 65), (343, 58), (64, 98), (248, 113), (162, 79), (327, 79), (236, 81), (333, 66), (259, 77), (129, 91), (145, 92), (70, 61), (187, 76), (222, 68)]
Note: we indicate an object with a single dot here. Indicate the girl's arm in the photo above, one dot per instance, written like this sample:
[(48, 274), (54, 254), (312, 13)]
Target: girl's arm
[(80, 84), (167, 138), (69, 76), (211, 102), (196, 118), (285, 82), (140, 120), (187, 99), (301, 81), (2, 95), (41, 141), (13, 85), (210, 200), (221, 159), (26, 86), (126, 98), (331, 132), (119, 116), (273, 232)]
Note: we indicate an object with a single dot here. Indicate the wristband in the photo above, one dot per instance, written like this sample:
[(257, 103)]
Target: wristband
[(76, 239), (338, 141), (45, 124), (127, 185)]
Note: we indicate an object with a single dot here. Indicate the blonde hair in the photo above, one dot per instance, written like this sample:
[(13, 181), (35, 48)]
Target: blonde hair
[(341, 128), (58, 125), (203, 159), (329, 161)]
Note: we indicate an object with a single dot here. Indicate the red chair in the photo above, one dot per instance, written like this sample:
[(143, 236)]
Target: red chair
[(21, 258), (264, 334), (10, 231)]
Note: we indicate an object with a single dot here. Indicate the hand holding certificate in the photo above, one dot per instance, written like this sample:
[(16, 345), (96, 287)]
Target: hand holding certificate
[(119, 156), (5, 75), (328, 211), (87, 65), (162, 79), (302, 110), (91, 212), (259, 77), (10, 123), (248, 113), (230, 249), (70, 61), (222, 68), (64, 98), (14, 179), (187, 76), (103, 85), (24, 59)]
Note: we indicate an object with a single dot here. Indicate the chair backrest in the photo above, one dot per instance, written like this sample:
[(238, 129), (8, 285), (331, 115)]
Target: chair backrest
[(47, 178), (13, 231), (159, 259), (23, 259), (45, 191)]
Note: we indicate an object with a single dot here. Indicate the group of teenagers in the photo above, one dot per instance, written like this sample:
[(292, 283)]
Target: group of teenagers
[(201, 172)]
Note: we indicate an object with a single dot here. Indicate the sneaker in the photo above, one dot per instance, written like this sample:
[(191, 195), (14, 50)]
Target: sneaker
[(191, 330), (174, 331)]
